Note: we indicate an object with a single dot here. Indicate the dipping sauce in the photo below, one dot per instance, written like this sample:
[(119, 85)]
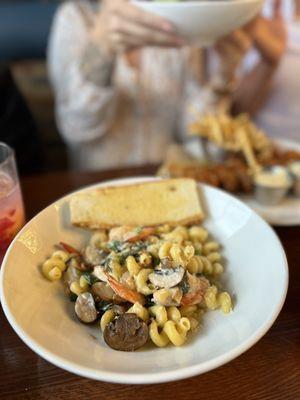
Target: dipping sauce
[(274, 178)]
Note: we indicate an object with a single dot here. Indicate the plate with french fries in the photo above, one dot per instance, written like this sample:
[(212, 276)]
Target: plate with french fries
[(233, 154)]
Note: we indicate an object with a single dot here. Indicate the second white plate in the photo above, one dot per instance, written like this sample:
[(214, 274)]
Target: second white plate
[(287, 213)]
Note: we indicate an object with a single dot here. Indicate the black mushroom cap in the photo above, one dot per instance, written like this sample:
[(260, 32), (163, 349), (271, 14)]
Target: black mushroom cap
[(126, 333)]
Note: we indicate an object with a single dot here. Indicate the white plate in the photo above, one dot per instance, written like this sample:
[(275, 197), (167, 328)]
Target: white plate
[(204, 22), (287, 213), (44, 319)]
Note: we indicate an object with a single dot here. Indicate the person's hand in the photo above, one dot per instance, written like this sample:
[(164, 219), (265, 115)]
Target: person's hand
[(121, 26), (269, 35), (233, 47), (231, 50)]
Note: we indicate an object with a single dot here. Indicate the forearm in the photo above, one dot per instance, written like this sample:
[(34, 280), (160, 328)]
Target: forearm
[(84, 106), (96, 66), (85, 102), (254, 88), (269, 37), (79, 123)]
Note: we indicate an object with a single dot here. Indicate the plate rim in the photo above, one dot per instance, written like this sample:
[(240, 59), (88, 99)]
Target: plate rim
[(148, 378)]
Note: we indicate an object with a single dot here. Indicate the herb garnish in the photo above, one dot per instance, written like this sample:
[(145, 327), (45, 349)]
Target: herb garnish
[(91, 279), (123, 250), (138, 230), (122, 258), (155, 260), (115, 245), (184, 284)]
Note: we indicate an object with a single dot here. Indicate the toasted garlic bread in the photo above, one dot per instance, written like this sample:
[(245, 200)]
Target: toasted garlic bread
[(171, 201)]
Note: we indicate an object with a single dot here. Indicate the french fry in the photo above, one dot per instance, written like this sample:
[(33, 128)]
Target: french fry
[(237, 134)]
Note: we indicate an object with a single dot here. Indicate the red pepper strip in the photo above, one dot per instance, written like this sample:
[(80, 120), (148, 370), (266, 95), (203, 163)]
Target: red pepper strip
[(69, 248)]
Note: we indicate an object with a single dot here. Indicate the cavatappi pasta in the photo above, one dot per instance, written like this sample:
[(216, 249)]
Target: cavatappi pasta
[(154, 286)]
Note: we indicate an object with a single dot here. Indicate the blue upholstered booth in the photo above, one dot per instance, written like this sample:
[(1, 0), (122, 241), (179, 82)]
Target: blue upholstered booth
[(24, 28)]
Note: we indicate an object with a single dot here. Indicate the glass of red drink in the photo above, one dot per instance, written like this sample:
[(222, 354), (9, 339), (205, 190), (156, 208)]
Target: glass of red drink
[(11, 203)]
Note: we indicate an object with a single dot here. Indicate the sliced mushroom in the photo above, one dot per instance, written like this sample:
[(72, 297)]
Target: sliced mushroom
[(102, 291), (119, 310), (168, 297), (70, 275), (93, 256), (166, 277), (126, 333), (85, 308)]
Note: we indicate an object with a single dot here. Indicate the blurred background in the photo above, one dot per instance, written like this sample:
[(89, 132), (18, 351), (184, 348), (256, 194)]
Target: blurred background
[(27, 120), (24, 29)]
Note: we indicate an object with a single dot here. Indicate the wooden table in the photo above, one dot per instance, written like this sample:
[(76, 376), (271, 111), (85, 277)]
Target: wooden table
[(269, 370)]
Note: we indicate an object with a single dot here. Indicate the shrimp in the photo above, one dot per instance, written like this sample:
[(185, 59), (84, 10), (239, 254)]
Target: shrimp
[(141, 234), (130, 233), (127, 294), (119, 232), (69, 249), (197, 289)]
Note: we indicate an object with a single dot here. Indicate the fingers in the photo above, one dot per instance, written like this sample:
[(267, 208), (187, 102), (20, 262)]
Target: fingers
[(128, 26), (144, 34), (238, 41), (123, 42), (142, 17), (277, 8), (228, 53), (241, 40)]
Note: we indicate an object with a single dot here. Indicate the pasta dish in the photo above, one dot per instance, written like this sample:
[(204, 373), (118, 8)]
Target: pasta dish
[(142, 283)]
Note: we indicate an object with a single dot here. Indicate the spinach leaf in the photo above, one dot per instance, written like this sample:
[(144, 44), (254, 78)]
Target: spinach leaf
[(91, 279), (137, 247), (155, 260), (122, 257), (115, 245)]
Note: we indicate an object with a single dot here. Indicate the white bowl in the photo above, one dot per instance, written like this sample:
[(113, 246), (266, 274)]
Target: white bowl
[(39, 312), (204, 22)]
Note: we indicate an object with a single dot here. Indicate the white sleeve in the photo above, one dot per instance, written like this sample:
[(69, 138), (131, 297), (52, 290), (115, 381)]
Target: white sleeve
[(84, 110)]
